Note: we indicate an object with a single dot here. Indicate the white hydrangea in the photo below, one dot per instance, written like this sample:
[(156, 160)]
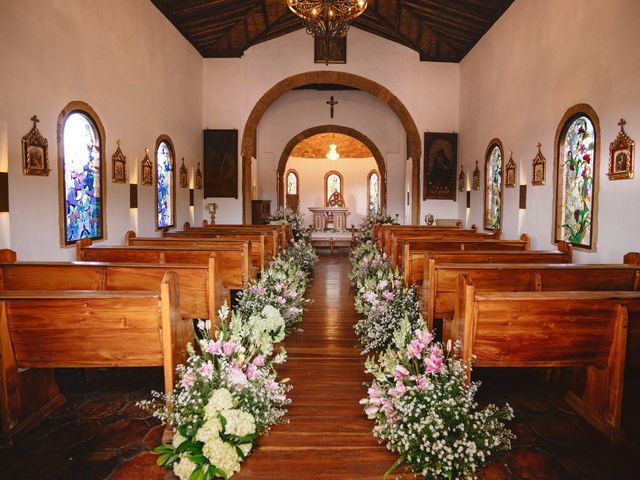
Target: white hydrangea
[(220, 400), (177, 440), (272, 322), (245, 448), (239, 423), (210, 430), (222, 455), (184, 467)]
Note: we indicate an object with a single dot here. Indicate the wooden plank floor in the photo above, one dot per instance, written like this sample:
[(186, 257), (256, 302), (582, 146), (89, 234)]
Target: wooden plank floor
[(327, 436)]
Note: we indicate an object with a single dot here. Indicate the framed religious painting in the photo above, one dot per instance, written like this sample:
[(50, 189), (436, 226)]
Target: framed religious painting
[(475, 181), (147, 169), (539, 168), (510, 173), (119, 166), (198, 177), (35, 151), (621, 153), (184, 176), (221, 163), (461, 179), (440, 166)]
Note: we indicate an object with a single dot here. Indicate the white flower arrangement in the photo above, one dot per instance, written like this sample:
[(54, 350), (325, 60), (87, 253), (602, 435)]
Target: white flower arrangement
[(228, 392), (423, 407)]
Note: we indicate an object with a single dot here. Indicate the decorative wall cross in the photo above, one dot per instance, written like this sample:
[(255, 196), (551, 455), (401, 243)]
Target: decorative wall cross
[(35, 120), (622, 123), (331, 103)]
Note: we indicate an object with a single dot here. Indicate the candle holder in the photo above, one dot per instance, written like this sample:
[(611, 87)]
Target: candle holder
[(428, 219)]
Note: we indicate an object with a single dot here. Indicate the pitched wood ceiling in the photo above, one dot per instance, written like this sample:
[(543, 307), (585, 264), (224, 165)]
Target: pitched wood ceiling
[(439, 30)]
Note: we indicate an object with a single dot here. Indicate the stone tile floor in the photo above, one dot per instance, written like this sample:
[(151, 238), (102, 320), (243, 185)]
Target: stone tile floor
[(99, 433)]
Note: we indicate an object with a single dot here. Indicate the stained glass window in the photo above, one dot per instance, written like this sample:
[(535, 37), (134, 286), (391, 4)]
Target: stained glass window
[(493, 188), (82, 187), (333, 183), (576, 160), (373, 188), (166, 184), (292, 183)]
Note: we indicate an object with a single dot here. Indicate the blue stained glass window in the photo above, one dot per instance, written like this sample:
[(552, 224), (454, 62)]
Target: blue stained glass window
[(82, 179), (575, 182), (493, 189), (165, 185)]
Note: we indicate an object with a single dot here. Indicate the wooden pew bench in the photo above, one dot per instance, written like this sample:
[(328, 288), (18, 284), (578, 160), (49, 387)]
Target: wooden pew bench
[(396, 240), (282, 234), (413, 252), (42, 330), (381, 233), (201, 286), (554, 329), (235, 262), (263, 244), (257, 247)]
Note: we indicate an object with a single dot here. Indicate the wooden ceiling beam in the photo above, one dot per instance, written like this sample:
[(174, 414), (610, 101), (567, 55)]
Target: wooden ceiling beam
[(447, 7), (433, 17), (196, 5), (222, 15)]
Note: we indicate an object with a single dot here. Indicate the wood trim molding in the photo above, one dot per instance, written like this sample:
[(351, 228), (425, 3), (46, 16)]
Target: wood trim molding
[(581, 109), (495, 142), (249, 136), (166, 139), (86, 109)]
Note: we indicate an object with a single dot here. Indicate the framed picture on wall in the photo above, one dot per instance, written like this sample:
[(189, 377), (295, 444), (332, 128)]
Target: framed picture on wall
[(35, 151), (440, 166), (221, 163), (510, 169), (621, 152), (539, 167)]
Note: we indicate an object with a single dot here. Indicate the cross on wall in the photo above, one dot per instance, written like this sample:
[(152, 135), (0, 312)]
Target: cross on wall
[(331, 102)]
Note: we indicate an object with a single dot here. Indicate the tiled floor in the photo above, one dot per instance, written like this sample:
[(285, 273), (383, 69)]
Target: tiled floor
[(100, 434)]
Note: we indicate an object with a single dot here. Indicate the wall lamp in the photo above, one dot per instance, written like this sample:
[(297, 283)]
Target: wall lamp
[(133, 195), (4, 191)]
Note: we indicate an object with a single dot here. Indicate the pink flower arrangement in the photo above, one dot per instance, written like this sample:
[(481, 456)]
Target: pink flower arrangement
[(206, 370)]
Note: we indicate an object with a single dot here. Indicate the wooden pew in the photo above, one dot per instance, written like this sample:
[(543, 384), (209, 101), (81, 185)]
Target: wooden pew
[(413, 252), (384, 232), (413, 276), (281, 233), (235, 262), (256, 242), (267, 241), (51, 329), (396, 241), (201, 286), (523, 277), (553, 329)]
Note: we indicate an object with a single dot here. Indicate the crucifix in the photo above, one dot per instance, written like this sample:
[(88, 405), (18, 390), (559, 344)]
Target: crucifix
[(331, 103), (35, 121), (539, 146), (622, 123)]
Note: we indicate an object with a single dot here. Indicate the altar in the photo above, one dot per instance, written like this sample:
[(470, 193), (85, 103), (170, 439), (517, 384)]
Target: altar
[(324, 216)]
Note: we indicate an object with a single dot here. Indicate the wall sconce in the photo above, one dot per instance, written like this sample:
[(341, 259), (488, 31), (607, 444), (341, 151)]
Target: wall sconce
[(468, 198), (4, 191), (523, 197), (133, 195), (191, 197)]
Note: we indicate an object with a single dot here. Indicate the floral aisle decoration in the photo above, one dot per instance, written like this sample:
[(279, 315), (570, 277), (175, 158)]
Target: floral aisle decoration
[(281, 285), (228, 393), (372, 218), (425, 411), (381, 298), (286, 216), (420, 398)]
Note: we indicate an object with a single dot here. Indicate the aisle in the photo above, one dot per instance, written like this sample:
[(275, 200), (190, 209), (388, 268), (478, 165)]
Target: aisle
[(327, 437)]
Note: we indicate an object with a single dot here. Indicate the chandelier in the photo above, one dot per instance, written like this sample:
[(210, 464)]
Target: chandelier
[(333, 154), (327, 18)]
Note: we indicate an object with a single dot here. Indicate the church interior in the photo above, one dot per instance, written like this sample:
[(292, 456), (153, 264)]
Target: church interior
[(319, 239)]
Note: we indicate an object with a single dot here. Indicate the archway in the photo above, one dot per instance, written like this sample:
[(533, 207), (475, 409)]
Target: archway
[(352, 132), (249, 136)]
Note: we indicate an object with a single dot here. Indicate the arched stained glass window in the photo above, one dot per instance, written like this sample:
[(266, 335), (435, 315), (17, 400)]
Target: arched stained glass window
[(81, 167), (576, 169), (165, 183), (373, 191), (332, 183), (493, 186), (292, 183)]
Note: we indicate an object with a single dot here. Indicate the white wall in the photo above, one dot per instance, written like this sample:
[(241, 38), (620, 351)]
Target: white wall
[(233, 86), (354, 172), (541, 58), (298, 110), (138, 73)]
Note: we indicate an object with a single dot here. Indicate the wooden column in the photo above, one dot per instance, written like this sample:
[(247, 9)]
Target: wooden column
[(246, 189), (415, 187)]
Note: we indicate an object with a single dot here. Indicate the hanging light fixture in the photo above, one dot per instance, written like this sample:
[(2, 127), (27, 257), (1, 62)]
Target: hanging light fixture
[(333, 154), (327, 18)]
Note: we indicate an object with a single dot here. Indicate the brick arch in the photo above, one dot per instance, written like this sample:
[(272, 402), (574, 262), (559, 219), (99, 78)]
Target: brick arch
[(352, 132), (249, 135)]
